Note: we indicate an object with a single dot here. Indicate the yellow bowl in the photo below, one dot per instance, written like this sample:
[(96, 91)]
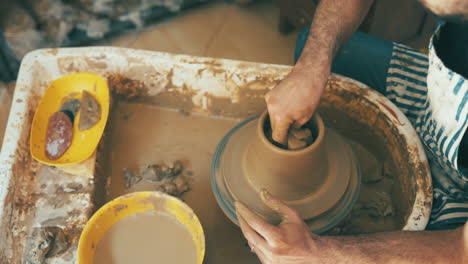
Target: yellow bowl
[(133, 203), (83, 143)]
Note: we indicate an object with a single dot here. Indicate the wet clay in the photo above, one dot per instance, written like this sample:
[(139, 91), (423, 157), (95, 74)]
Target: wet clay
[(59, 135), (90, 112), (299, 138), (146, 238), (170, 179), (71, 108), (313, 180)]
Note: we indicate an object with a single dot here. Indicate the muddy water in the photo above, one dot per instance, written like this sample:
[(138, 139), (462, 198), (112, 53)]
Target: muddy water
[(146, 238), (142, 134)]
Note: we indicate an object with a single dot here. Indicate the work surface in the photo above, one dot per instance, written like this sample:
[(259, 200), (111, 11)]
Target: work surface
[(143, 135)]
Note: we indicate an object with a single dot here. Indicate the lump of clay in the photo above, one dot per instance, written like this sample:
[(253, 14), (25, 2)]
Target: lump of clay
[(299, 138), (130, 178), (46, 242), (151, 173), (170, 179), (71, 107), (58, 136), (380, 205), (156, 173), (371, 168), (90, 111), (169, 188)]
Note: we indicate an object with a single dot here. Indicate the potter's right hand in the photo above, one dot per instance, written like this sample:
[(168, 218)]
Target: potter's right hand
[(289, 243), (293, 101)]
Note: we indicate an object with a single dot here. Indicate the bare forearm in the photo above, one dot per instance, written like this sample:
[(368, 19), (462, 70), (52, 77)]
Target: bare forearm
[(334, 22), (401, 247)]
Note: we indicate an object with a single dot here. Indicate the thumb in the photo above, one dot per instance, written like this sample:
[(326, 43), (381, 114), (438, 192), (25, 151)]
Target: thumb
[(288, 214)]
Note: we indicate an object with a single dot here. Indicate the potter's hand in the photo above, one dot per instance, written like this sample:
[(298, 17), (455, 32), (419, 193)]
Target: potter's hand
[(294, 100), (291, 243), (288, 243)]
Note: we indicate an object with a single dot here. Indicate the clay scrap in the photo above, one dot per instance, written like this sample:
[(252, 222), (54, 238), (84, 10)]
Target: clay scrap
[(60, 127), (299, 138), (59, 135), (168, 179), (90, 111), (46, 242), (71, 108)]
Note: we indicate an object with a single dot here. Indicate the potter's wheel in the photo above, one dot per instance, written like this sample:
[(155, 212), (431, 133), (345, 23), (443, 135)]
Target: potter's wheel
[(234, 177)]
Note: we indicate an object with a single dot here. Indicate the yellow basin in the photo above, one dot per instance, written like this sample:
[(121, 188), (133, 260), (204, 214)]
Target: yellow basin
[(83, 143), (133, 203)]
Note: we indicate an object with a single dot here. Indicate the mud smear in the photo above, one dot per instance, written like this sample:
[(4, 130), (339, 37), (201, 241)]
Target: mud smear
[(46, 242), (170, 179), (379, 206)]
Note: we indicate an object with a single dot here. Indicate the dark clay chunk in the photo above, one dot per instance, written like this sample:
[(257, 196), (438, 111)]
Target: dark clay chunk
[(59, 135), (46, 242), (71, 107), (90, 111)]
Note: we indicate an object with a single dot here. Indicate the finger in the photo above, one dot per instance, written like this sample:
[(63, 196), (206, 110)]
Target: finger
[(262, 256), (254, 239), (289, 215), (299, 123), (280, 130), (269, 232)]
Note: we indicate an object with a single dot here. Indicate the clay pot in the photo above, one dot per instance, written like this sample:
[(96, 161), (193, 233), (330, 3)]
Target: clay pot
[(287, 174), (320, 181)]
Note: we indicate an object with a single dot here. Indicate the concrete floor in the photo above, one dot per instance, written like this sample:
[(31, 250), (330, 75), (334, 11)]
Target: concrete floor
[(219, 30), (213, 30)]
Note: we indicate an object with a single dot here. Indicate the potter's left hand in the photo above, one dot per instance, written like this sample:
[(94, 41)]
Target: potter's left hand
[(290, 242)]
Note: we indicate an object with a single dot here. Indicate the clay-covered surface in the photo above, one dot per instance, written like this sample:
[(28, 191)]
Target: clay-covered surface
[(34, 196), (367, 118)]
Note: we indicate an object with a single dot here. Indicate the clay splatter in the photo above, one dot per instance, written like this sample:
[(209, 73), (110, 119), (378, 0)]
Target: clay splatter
[(168, 179)]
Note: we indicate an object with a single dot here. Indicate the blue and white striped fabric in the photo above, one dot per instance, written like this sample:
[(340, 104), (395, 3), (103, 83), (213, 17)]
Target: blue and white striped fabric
[(434, 99)]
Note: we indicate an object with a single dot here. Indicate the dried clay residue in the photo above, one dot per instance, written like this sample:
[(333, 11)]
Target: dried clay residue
[(126, 87), (171, 179), (46, 242), (374, 208)]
